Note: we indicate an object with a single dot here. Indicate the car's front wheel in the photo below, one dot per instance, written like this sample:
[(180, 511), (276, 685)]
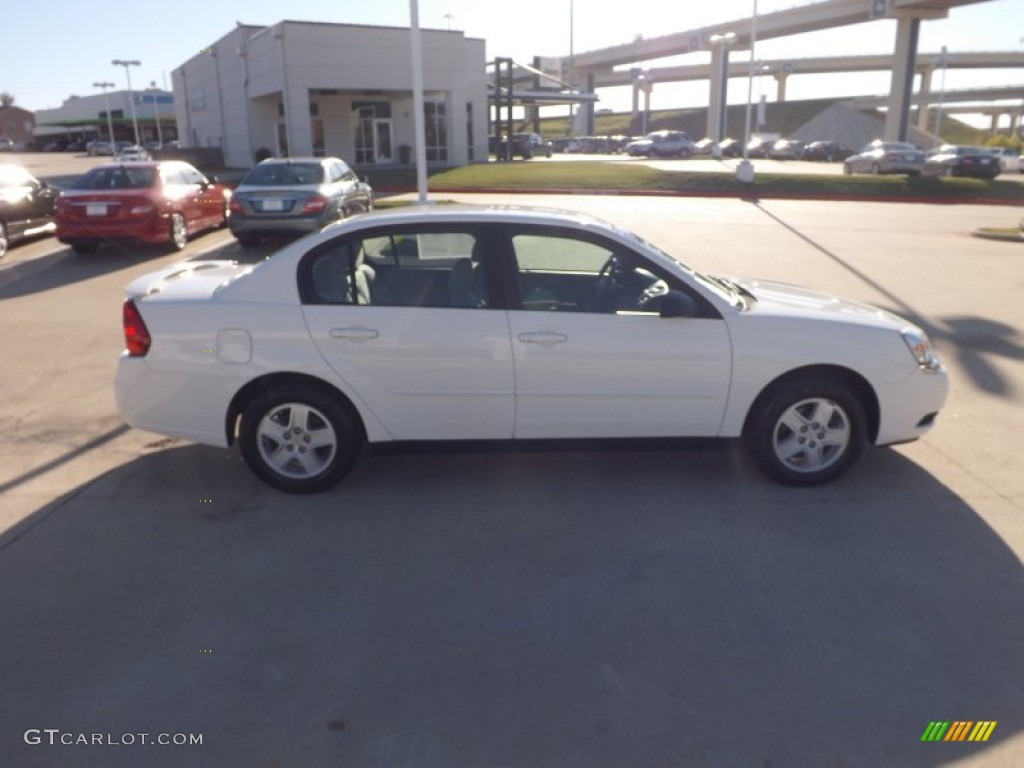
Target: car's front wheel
[(299, 439), (807, 432)]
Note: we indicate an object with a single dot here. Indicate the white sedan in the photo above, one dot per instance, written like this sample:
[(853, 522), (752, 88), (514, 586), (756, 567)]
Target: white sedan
[(458, 323)]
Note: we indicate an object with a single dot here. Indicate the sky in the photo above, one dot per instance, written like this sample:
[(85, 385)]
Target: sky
[(41, 65)]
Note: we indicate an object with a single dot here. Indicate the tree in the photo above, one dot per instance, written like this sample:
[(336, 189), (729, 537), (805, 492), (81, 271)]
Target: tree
[(6, 99)]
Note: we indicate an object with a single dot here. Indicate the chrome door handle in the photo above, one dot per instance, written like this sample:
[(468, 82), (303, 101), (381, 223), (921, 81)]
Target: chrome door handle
[(354, 334), (542, 337)]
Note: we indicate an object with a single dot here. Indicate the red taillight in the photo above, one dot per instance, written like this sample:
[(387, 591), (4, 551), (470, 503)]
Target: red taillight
[(314, 204), (136, 335)]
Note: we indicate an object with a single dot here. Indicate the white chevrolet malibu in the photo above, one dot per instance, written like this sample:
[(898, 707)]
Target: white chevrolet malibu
[(453, 323)]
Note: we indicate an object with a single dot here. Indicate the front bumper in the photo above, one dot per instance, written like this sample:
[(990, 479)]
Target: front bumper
[(908, 408)]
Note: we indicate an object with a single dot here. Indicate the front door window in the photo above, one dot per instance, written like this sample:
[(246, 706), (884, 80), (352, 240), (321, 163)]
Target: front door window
[(382, 136)]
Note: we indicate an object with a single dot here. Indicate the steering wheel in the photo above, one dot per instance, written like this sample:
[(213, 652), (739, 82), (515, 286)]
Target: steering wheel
[(651, 294)]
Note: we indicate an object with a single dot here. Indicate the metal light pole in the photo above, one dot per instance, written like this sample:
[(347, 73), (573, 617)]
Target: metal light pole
[(156, 114), (131, 100), (106, 100), (943, 61), (419, 122), (745, 168)]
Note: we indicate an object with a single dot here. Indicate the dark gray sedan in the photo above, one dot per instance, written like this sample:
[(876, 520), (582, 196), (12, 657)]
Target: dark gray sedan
[(295, 195), (886, 157)]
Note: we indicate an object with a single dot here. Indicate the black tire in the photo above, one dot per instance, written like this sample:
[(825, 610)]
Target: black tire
[(4, 243), (84, 247), (830, 446), (290, 461), (248, 241), (177, 232)]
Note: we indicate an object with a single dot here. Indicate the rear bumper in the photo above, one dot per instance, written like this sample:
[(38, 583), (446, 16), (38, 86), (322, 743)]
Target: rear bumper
[(240, 224), (153, 228)]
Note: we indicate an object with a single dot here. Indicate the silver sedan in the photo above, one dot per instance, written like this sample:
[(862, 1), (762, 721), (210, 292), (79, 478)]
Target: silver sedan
[(886, 157)]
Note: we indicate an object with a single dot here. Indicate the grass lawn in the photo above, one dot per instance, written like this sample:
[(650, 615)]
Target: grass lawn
[(605, 177)]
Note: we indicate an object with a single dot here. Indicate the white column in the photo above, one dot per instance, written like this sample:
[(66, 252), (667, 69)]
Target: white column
[(902, 82)]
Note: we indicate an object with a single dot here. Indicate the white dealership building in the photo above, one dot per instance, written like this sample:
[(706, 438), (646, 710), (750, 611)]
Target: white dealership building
[(302, 88)]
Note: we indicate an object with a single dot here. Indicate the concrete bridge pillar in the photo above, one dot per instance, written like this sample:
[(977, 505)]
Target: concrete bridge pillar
[(925, 90), (717, 94), (902, 83), (780, 85)]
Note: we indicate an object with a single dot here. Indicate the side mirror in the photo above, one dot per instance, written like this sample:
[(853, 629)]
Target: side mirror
[(678, 304)]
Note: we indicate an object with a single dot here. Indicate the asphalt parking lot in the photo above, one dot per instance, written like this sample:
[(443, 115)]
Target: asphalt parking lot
[(576, 606)]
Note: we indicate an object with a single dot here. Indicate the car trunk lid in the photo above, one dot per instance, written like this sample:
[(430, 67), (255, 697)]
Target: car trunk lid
[(187, 280)]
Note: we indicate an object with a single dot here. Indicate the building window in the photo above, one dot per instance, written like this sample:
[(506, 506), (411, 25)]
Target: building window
[(436, 120)]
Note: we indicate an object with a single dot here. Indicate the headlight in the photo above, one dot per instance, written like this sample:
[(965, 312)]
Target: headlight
[(921, 348)]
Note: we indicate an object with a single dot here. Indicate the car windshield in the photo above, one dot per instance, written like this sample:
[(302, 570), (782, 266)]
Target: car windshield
[(279, 174), (717, 285), (118, 177)]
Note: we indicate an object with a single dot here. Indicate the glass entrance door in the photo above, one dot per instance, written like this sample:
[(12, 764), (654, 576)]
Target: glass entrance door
[(382, 134)]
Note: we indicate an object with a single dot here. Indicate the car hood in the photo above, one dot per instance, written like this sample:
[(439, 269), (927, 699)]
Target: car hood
[(785, 300)]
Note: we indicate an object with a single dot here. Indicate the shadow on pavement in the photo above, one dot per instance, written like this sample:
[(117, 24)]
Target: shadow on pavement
[(555, 608), (974, 338)]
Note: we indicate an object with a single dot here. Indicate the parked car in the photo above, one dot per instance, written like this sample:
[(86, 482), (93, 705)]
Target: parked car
[(786, 149), (132, 153), (530, 145), (828, 151), (957, 160), (98, 147), (730, 148), (758, 147), (886, 157), (26, 206), (6, 145), (662, 144), (463, 323), (704, 146), (296, 195), (1009, 159), (148, 202)]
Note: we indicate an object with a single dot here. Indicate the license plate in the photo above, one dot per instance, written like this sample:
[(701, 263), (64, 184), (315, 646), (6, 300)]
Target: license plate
[(273, 205), (95, 210)]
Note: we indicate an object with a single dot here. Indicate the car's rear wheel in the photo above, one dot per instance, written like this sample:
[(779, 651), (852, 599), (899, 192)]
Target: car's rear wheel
[(177, 233), (3, 239), (83, 247), (299, 439), (807, 432)]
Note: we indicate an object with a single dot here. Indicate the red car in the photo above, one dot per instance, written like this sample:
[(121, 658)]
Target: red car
[(163, 202)]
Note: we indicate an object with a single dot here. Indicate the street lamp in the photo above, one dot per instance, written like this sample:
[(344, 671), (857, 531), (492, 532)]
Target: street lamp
[(131, 100), (943, 60), (745, 168), (724, 41), (106, 100)]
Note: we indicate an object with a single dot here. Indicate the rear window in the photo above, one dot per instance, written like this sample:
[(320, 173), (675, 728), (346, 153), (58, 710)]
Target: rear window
[(280, 174), (121, 177)]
